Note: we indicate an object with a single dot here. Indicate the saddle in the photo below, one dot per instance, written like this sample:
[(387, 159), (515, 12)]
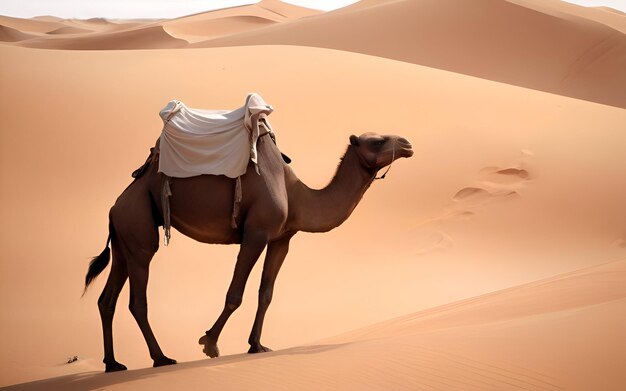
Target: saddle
[(215, 142)]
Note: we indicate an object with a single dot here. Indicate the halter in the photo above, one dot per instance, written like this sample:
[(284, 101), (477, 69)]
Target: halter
[(393, 157)]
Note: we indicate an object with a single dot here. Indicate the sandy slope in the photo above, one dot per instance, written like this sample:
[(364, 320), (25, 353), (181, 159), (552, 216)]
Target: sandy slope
[(555, 334), (459, 219), (564, 52)]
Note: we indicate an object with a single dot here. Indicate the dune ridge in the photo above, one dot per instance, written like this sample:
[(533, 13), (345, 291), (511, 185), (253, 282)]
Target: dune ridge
[(8, 34), (199, 30), (605, 15), (33, 25)]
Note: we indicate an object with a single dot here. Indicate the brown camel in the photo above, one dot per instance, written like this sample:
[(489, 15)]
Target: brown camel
[(275, 206)]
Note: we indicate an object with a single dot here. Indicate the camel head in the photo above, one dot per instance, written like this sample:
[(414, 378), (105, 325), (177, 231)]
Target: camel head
[(377, 151)]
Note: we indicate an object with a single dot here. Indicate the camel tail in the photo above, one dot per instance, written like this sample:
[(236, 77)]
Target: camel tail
[(98, 264)]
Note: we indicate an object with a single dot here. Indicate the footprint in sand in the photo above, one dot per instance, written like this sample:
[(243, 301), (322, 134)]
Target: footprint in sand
[(427, 242), (472, 195), (475, 196), (493, 184)]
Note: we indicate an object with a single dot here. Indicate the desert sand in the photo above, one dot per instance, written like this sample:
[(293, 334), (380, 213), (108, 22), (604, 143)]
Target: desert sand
[(491, 260)]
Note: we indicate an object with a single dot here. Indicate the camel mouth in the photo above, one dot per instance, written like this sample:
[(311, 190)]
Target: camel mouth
[(405, 147)]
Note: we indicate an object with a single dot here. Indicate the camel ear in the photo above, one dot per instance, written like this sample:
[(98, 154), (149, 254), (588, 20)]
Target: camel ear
[(354, 140)]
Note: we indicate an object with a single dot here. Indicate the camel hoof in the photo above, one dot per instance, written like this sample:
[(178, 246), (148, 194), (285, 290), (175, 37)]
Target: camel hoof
[(210, 346), (258, 348), (163, 361), (114, 367)]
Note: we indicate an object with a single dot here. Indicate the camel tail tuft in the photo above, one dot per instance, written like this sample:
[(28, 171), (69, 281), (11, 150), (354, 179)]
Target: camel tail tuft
[(98, 264)]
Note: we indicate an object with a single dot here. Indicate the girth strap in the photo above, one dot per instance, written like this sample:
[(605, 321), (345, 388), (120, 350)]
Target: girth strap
[(166, 192), (236, 202)]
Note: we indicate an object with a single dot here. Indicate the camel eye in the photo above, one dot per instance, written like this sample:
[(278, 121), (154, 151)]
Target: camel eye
[(378, 143)]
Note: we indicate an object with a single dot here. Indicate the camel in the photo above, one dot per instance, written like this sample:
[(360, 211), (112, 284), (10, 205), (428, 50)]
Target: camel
[(275, 206)]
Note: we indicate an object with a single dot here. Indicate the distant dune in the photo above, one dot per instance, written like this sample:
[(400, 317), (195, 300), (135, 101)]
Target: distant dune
[(613, 10), (31, 25), (8, 34), (562, 9), (235, 20), (144, 38), (69, 30), (197, 30)]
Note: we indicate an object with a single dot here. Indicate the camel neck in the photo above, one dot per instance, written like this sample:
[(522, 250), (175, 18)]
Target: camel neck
[(325, 209)]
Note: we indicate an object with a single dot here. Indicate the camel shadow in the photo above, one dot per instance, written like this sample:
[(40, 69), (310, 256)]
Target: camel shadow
[(100, 380)]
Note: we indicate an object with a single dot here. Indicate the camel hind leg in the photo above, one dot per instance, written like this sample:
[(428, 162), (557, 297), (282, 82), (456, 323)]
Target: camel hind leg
[(137, 232), (106, 305), (138, 271)]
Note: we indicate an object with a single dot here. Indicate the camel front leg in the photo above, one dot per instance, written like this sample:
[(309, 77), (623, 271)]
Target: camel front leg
[(251, 248), (276, 253)]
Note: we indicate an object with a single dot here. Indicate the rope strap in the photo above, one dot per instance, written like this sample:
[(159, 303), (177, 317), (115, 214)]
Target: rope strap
[(393, 157), (236, 202)]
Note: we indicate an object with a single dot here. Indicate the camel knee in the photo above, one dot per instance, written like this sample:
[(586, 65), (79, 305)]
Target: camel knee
[(233, 302), (139, 310), (265, 296), (106, 304)]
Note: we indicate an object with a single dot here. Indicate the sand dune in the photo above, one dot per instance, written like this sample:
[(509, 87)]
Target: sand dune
[(8, 34), (562, 53), (613, 10), (142, 38), (423, 350), (69, 30), (228, 21), (605, 15), (198, 30), (48, 18), (30, 25)]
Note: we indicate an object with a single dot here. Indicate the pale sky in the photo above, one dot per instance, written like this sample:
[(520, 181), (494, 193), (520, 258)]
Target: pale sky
[(120, 9)]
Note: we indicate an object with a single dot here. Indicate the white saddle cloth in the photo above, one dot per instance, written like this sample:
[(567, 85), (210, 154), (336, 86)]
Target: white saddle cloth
[(217, 142)]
